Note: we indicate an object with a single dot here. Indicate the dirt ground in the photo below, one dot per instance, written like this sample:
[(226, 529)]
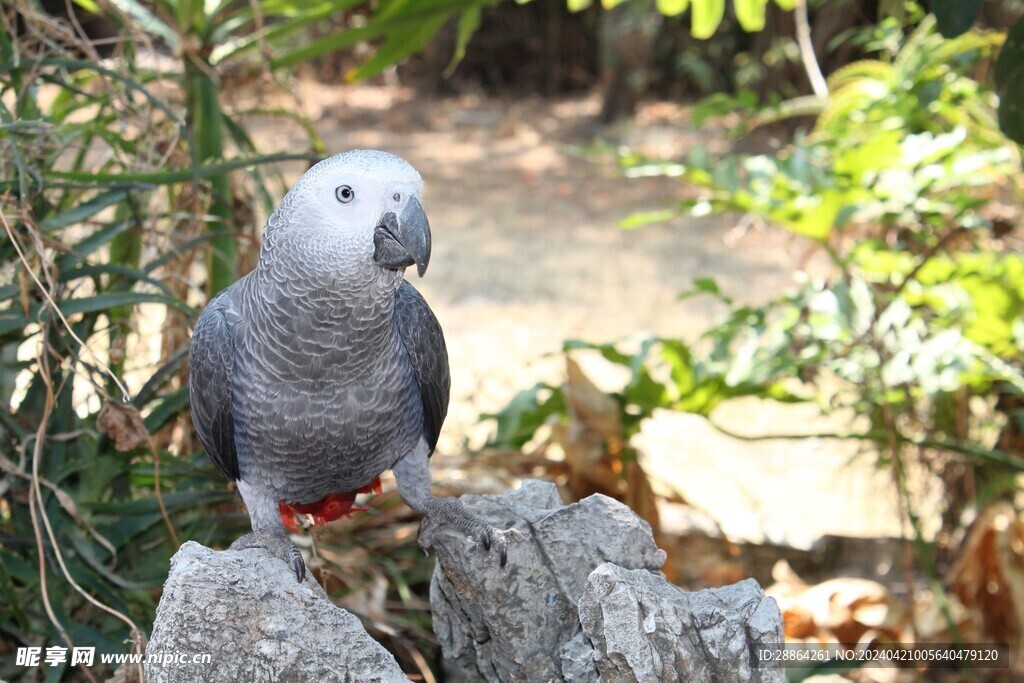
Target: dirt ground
[(527, 252)]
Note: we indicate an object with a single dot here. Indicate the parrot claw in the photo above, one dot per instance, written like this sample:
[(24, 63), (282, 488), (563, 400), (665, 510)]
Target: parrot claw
[(300, 567), (499, 540), (450, 511), (276, 541)]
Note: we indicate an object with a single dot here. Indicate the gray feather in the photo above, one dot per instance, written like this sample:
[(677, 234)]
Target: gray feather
[(424, 342), (209, 367)]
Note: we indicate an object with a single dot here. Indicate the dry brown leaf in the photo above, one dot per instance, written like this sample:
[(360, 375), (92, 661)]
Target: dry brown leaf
[(988, 577), (843, 610), (122, 423)]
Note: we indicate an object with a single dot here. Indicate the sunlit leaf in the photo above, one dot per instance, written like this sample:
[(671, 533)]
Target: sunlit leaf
[(469, 22), (672, 8), (399, 44), (407, 17), (705, 17), (524, 415), (705, 285), (642, 218), (148, 21), (750, 14)]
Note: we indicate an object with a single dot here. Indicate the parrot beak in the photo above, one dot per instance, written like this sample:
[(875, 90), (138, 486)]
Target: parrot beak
[(399, 242)]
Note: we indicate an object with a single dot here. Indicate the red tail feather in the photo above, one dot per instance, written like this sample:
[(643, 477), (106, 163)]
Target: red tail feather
[(329, 508)]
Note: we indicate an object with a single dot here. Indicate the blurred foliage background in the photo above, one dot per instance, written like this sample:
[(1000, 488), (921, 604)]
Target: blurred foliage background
[(133, 188)]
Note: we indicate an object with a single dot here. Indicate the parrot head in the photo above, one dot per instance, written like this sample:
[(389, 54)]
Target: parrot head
[(365, 202)]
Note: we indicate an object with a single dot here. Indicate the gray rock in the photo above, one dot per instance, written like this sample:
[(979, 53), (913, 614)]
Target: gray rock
[(245, 609), (582, 600), (577, 655), (645, 629), (516, 624)]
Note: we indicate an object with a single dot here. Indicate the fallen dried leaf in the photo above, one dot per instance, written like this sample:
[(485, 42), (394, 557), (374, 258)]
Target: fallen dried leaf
[(122, 423), (988, 578), (844, 610)]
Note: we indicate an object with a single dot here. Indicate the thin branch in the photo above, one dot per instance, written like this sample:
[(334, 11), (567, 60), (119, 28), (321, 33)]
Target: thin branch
[(53, 305), (995, 455), (159, 496), (810, 60)]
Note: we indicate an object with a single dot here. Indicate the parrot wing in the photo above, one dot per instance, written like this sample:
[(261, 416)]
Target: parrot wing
[(211, 358), (424, 342)]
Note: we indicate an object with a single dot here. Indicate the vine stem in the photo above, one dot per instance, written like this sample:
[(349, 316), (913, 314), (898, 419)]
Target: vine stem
[(807, 56)]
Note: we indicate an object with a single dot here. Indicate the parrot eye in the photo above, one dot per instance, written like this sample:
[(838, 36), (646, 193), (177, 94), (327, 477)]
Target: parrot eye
[(345, 194), (397, 197)]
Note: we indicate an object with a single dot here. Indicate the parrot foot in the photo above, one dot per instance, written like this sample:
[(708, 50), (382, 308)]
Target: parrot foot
[(451, 512), (276, 541)]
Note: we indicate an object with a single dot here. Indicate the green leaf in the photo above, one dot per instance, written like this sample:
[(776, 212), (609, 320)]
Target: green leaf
[(524, 415), (169, 407), (9, 592), (126, 272), (410, 16), (173, 501), (204, 171), (11, 320), (1009, 77), (180, 249), (6, 48), (750, 14), (148, 21), (706, 16), (817, 223), (82, 211), (298, 16), (672, 8), (469, 22), (705, 285), (399, 44), (608, 351), (96, 240), (578, 5), (955, 17), (642, 218)]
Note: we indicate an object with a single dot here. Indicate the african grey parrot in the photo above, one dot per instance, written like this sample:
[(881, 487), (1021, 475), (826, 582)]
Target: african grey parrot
[(323, 367)]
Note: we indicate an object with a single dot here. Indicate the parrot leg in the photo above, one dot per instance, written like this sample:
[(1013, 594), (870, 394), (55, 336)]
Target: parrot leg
[(268, 529), (412, 474), (276, 541)]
